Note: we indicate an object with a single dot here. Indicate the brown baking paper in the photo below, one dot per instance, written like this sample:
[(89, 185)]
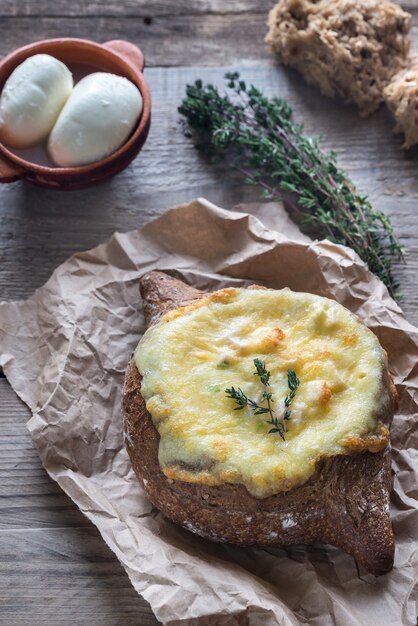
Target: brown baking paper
[(65, 349)]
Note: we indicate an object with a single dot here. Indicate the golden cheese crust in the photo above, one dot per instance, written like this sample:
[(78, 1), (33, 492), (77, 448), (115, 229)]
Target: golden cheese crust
[(195, 353), (345, 503)]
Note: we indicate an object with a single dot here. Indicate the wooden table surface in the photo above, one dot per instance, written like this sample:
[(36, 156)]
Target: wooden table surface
[(54, 567)]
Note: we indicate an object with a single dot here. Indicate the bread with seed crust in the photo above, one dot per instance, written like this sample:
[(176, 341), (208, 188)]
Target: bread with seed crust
[(345, 503)]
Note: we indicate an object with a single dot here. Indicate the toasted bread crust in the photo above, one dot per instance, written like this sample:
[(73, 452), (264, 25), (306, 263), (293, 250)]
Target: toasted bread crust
[(346, 502)]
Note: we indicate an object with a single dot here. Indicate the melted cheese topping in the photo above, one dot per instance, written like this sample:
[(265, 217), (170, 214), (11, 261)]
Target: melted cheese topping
[(194, 353)]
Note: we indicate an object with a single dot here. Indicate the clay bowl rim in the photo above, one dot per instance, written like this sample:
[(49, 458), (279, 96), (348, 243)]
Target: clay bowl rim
[(21, 54)]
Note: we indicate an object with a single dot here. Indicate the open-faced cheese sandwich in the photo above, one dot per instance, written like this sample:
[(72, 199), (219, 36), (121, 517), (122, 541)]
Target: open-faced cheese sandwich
[(260, 417)]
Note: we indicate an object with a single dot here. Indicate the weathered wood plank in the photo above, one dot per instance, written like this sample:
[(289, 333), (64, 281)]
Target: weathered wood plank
[(131, 8), (142, 7), (167, 41), (52, 577), (54, 566)]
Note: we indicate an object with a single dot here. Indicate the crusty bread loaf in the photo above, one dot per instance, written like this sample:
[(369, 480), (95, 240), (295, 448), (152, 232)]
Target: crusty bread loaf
[(345, 503), (348, 48), (401, 96)]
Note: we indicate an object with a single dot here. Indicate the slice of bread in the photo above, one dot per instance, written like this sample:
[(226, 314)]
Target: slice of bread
[(345, 502), (348, 48), (401, 96)]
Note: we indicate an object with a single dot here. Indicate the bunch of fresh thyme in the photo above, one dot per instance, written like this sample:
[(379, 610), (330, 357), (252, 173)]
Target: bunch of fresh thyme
[(257, 137), (278, 423)]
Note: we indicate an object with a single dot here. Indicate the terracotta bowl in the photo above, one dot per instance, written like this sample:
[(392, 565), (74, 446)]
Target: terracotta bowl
[(117, 57)]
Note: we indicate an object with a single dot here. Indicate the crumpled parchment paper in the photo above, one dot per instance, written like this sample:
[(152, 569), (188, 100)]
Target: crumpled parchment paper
[(65, 349)]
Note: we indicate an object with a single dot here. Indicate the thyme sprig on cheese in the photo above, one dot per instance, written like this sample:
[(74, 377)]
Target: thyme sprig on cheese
[(278, 422), (293, 383)]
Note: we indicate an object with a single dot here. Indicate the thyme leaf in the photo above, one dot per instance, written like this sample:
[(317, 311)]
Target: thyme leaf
[(256, 136), (278, 423)]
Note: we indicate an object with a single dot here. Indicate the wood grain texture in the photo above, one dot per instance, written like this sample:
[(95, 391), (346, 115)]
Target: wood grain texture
[(54, 568), (167, 41), (67, 576), (133, 8), (207, 32), (143, 7)]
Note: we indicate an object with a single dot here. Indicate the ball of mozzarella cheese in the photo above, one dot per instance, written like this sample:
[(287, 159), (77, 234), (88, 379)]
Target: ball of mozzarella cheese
[(32, 99), (96, 120)]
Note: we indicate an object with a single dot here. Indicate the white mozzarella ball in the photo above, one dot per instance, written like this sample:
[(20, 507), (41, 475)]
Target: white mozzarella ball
[(32, 99), (99, 116)]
